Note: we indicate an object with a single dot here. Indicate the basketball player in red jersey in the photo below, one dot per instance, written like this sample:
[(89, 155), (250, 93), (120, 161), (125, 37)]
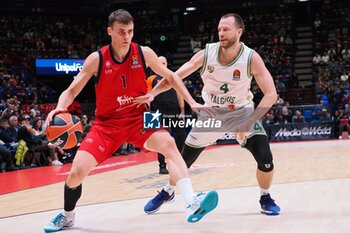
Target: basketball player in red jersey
[(119, 70)]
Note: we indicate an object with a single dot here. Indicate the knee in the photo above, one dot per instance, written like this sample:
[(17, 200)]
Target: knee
[(265, 167), (259, 147), (76, 175), (264, 161), (167, 145)]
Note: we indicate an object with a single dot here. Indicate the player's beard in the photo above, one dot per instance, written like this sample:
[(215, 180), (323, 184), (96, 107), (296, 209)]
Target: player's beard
[(229, 42)]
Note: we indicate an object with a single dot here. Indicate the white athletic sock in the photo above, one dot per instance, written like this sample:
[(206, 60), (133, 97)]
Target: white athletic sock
[(264, 191), (69, 214), (185, 186), (169, 188)]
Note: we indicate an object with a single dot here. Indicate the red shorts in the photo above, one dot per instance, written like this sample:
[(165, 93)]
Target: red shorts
[(106, 136)]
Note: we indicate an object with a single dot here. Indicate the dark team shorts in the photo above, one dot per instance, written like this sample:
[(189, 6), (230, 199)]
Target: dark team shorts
[(106, 136)]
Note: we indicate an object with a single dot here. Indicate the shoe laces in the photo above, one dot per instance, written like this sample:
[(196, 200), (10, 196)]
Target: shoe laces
[(161, 195), (196, 201), (268, 200), (56, 220)]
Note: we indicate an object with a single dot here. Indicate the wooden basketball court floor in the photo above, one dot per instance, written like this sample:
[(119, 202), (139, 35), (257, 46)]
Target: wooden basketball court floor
[(311, 184)]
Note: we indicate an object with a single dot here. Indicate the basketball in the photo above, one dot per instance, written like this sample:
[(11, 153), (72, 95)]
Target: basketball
[(65, 130)]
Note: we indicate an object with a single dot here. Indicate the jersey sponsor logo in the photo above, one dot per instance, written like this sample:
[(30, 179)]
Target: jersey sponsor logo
[(124, 100), (222, 99), (236, 75), (135, 62), (210, 69), (108, 64), (108, 69)]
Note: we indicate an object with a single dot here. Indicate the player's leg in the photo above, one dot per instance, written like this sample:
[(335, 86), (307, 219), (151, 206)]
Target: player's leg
[(195, 144), (83, 163), (179, 134), (259, 146), (197, 205), (96, 147)]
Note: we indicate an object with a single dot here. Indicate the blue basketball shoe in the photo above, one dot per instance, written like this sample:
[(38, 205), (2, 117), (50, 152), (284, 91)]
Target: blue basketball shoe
[(154, 204), (202, 204), (268, 205), (59, 223)]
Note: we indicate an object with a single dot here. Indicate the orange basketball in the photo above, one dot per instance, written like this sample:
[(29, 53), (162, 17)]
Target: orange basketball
[(65, 130)]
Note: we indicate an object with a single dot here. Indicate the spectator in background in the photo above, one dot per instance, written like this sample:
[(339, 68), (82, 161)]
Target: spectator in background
[(13, 128), (9, 111), (298, 118), (341, 121), (344, 77), (9, 140), (325, 116), (84, 121), (34, 111), (280, 86), (6, 156), (38, 127), (317, 59), (325, 58), (30, 91), (35, 142), (279, 101)]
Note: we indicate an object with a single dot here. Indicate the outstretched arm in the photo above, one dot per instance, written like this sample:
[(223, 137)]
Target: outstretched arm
[(185, 70), (171, 78), (89, 69)]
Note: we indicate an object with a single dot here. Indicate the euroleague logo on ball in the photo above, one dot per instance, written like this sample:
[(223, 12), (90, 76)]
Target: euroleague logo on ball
[(65, 130)]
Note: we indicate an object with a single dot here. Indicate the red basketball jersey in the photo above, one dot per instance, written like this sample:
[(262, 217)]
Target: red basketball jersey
[(118, 82)]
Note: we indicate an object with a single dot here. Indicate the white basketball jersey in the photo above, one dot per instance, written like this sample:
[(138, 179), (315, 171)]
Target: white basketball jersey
[(227, 85)]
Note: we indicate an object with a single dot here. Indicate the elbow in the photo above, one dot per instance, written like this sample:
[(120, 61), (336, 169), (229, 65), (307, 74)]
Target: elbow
[(272, 96)]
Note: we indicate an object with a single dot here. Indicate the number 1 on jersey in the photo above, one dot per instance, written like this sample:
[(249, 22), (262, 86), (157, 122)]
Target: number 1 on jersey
[(224, 88), (123, 81)]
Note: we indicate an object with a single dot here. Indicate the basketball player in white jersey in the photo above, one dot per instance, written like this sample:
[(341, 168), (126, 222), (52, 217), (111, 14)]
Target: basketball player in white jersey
[(227, 69)]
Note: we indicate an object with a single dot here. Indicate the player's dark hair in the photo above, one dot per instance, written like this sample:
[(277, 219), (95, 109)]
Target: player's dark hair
[(238, 19), (120, 16)]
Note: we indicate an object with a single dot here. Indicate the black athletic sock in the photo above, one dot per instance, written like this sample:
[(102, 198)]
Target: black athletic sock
[(71, 197), (161, 160), (190, 154)]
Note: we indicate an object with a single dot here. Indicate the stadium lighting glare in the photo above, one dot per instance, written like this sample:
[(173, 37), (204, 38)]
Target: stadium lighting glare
[(185, 13), (192, 8)]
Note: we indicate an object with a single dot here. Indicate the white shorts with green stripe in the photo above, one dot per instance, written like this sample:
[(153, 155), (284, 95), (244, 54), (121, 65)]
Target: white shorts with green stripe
[(230, 120)]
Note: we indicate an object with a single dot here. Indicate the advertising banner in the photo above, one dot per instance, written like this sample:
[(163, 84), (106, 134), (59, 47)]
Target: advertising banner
[(69, 67), (298, 132)]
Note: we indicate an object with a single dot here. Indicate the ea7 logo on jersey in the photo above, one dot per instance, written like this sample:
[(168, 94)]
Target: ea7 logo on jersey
[(151, 120), (135, 61), (108, 69), (236, 75)]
